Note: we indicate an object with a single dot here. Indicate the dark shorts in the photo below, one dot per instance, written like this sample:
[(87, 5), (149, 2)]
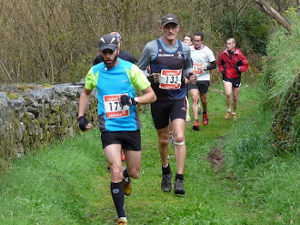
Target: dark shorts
[(202, 86), (236, 82), (129, 140), (163, 111)]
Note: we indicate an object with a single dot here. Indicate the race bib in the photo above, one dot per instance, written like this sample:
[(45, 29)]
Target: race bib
[(170, 79), (197, 68), (112, 107)]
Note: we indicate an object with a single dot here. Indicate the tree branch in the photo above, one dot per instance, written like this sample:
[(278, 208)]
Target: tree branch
[(274, 14)]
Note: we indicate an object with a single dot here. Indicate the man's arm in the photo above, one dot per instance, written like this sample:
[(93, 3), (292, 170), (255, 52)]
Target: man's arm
[(211, 60), (145, 57), (83, 102), (245, 65), (188, 66), (211, 65), (83, 105), (221, 63), (147, 97)]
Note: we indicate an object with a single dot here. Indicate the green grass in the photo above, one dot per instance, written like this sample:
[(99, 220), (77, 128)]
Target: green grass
[(68, 183)]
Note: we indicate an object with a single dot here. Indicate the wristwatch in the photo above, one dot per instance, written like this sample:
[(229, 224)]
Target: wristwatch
[(136, 99)]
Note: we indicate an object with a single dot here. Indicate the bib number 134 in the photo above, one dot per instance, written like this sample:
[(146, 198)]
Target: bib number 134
[(170, 79)]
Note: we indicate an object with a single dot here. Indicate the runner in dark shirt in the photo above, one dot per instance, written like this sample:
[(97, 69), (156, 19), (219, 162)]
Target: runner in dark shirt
[(123, 54)]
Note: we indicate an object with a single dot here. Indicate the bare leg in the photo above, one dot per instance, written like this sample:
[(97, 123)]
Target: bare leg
[(203, 98), (195, 100), (235, 92), (228, 90), (133, 163), (113, 155), (163, 144), (180, 149)]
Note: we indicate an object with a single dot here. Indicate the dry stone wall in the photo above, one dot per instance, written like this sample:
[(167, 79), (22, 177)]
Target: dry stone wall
[(31, 116)]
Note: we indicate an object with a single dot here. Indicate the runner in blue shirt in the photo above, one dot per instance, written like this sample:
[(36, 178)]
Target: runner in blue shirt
[(116, 81)]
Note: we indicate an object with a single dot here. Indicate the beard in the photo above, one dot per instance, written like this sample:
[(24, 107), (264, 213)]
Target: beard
[(111, 64)]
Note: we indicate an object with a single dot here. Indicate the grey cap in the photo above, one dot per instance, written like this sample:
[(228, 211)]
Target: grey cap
[(169, 18), (117, 35), (108, 41)]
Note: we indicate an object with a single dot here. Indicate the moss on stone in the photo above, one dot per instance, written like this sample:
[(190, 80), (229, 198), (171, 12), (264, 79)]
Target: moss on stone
[(12, 96)]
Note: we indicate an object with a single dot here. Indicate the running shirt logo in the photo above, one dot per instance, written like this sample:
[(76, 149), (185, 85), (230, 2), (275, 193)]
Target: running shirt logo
[(180, 55), (197, 68), (113, 108), (170, 79)]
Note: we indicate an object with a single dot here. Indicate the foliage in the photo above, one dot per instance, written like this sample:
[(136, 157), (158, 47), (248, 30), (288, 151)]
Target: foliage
[(282, 74), (48, 41), (250, 27)]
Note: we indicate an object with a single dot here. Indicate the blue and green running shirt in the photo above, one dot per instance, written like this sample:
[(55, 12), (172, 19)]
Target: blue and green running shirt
[(111, 84)]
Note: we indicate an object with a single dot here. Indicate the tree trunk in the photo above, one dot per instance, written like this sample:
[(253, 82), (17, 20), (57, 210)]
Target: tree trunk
[(274, 14)]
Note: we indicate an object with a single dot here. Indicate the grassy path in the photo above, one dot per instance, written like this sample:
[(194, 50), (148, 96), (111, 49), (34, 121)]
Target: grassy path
[(68, 183)]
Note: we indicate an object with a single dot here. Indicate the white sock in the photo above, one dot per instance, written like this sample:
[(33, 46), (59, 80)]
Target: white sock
[(229, 110), (233, 113)]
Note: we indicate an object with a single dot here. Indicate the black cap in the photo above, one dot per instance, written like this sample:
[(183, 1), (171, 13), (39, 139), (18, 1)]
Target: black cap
[(108, 41), (169, 18)]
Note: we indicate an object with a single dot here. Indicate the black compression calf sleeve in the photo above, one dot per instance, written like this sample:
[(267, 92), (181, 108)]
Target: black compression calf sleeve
[(118, 198), (125, 173)]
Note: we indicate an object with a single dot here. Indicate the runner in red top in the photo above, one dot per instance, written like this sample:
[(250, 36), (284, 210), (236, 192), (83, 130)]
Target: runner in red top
[(231, 64)]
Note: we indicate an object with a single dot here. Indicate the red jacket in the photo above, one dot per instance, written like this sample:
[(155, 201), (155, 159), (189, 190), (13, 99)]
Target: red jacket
[(232, 68)]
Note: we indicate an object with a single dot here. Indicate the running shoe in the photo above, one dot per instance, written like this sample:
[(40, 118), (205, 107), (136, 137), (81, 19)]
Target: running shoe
[(127, 188), (187, 119), (179, 187), (122, 155), (234, 116), (227, 115), (122, 221), (205, 119), (196, 126), (166, 185)]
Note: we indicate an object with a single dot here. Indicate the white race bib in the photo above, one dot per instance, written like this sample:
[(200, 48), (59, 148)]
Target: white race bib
[(170, 79), (113, 108)]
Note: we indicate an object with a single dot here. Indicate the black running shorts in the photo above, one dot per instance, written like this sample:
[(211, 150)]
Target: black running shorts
[(163, 111), (236, 82), (129, 140), (202, 86)]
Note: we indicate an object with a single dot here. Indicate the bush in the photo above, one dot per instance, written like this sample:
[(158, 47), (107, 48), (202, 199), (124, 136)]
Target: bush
[(283, 78)]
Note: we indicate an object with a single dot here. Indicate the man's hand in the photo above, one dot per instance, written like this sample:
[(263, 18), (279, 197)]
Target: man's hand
[(155, 77), (84, 123), (192, 77), (126, 100), (238, 69), (201, 69), (237, 65)]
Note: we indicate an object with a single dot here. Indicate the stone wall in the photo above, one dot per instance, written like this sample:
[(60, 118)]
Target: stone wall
[(31, 116)]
